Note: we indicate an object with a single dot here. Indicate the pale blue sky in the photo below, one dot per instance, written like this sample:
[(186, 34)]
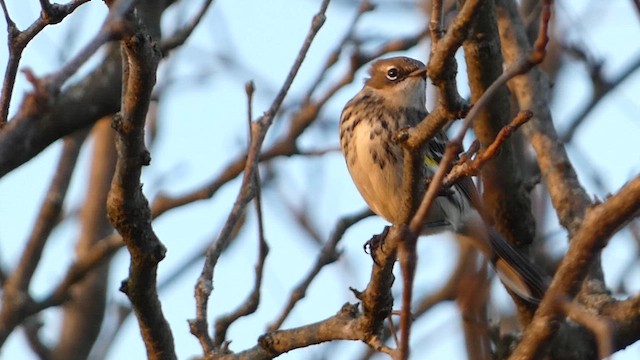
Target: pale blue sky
[(203, 123)]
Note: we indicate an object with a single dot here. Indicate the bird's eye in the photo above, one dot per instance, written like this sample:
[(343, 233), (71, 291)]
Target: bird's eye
[(392, 74)]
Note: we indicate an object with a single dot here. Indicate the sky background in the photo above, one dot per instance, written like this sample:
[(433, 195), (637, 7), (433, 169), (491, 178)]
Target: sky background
[(203, 127)]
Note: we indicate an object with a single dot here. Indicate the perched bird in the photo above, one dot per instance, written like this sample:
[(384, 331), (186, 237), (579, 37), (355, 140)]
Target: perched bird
[(393, 97)]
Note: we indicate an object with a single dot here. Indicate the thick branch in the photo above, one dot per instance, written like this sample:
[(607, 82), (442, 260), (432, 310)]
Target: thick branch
[(531, 90), (506, 202), (85, 310), (127, 206), (600, 223)]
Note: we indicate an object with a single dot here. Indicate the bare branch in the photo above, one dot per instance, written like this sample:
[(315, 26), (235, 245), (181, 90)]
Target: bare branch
[(531, 89), (600, 91), (127, 206), (250, 304), (259, 129), (328, 255), (180, 36), (15, 297), (18, 40), (471, 167), (601, 327), (600, 223), (85, 310)]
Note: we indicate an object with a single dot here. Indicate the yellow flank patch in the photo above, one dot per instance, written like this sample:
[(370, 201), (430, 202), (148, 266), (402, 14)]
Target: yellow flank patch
[(430, 162)]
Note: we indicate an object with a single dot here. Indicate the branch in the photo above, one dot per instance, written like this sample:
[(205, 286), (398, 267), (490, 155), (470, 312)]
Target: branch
[(600, 223), (127, 206), (328, 255), (84, 312), (250, 304), (18, 40), (180, 36), (342, 326), (602, 328), (600, 90), (472, 167), (15, 297), (45, 117), (259, 129), (531, 90)]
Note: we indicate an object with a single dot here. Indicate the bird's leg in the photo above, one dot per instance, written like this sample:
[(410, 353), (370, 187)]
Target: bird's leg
[(376, 241)]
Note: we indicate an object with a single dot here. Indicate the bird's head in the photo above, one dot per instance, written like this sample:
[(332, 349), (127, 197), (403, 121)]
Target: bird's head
[(401, 81)]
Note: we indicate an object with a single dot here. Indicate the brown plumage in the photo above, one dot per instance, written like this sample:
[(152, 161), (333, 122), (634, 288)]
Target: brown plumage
[(393, 97)]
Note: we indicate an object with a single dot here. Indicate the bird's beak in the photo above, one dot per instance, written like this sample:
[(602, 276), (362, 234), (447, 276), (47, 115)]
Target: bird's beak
[(420, 72)]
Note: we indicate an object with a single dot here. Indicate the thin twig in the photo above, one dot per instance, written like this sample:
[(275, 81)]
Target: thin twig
[(364, 7), (32, 327), (181, 35), (328, 255), (18, 40), (601, 90), (16, 288), (259, 129), (472, 167), (250, 304), (113, 28)]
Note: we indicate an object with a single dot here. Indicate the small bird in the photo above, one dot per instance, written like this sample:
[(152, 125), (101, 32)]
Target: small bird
[(393, 97)]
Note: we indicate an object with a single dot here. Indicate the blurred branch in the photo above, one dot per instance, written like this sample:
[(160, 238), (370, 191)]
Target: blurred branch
[(180, 36), (32, 327), (16, 301), (602, 328), (601, 87), (531, 90), (100, 251), (601, 221), (627, 320), (472, 296), (84, 311)]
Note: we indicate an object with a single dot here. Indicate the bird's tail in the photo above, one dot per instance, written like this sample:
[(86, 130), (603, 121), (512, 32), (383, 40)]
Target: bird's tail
[(515, 270)]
